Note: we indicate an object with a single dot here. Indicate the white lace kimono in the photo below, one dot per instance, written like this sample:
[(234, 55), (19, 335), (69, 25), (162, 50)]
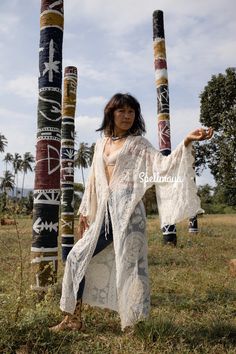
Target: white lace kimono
[(117, 277)]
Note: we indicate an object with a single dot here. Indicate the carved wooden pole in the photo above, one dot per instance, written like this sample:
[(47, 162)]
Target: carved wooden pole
[(193, 224), (161, 80), (67, 160), (47, 171)]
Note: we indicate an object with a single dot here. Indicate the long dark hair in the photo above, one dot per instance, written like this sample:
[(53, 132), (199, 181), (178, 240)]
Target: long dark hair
[(120, 100)]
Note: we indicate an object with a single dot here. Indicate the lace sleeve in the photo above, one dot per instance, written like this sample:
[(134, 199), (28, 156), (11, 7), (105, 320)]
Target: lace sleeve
[(84, 205), (88, 203), (174, 178)]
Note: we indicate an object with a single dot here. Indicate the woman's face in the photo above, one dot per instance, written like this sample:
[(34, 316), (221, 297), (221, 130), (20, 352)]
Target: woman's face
[(123, 119)]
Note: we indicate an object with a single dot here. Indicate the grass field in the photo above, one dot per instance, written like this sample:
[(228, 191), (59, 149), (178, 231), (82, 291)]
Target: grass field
[(193, 298)]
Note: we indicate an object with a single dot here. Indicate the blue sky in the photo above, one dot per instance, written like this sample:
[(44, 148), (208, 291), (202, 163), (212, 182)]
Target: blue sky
[(110, 42)]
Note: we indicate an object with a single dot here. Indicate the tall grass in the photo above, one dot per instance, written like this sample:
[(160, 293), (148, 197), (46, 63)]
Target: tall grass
[(193, 298)]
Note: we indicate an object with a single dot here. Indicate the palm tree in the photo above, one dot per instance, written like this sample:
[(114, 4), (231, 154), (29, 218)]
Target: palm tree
[(6, 184), (8, 158), (82, 158), (26, 162), (16, 168), (3, 142), (92, 148)]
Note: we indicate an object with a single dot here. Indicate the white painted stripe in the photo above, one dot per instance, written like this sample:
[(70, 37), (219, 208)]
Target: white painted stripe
[(67, 213), (56, 3), (43, 249), (47, 190), (161, 73), (158, 39), (66, 158), (51, 11), (69, 235), (43, 201), (67, 245), (43, 259)]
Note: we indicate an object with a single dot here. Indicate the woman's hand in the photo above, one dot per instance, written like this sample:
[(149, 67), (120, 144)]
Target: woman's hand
[(83, 224), (198, 135)]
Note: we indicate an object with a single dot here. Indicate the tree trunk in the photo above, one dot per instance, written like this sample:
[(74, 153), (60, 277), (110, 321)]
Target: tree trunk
[(82, 176), (23, 182)]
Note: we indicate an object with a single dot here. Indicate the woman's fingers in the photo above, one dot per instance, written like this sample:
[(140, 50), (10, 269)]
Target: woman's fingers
[(210, 133), (203, 134), (83, 225)]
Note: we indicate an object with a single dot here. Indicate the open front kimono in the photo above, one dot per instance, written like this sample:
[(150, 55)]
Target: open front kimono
[(117, 277)]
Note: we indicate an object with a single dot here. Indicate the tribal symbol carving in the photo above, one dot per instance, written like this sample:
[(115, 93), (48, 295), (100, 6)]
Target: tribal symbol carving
[(56, 3), (55, 109), (163, 99), (47, 197), (164, 133), (67, 223), (51, 66), (169, 229), (39, 226), (49, 158), (69, 153)]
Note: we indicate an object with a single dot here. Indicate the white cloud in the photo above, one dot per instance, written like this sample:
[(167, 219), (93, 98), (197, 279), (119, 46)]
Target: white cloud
[(25, 86), (182, 121), (85, 127), (93, 100), (7, 23), (120, 16), (19, 129)]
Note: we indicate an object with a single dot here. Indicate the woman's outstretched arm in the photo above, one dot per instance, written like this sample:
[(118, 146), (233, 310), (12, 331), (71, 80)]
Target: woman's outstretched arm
[(198, 135)]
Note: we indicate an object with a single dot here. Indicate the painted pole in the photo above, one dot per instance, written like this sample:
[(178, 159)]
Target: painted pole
[(44, 248), (67, 160), (193, 224), (163, 116)]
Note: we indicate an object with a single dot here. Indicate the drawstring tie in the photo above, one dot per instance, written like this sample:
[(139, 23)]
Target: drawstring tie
[(106, 222)]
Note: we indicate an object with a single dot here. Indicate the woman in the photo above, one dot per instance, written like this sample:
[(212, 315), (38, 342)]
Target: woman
[(108, 267)]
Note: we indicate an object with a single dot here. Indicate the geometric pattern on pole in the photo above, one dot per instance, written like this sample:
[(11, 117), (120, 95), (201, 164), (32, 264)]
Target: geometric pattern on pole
[(193, 222), (162, 89), (67, 160), (44, 250), (193, 225)]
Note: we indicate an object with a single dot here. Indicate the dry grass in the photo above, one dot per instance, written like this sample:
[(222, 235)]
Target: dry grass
[(193, 298)]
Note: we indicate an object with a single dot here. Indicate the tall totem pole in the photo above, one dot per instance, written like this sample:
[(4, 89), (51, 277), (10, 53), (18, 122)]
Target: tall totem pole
[(44, 249), (161, 80), (67, 160)]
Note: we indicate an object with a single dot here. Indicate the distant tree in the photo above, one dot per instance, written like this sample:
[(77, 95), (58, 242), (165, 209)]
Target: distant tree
[(78, 187), (218, 110), (6, 184), (92, 149), (206, 193), (3, 142), (28, 203), (82, 158), (7, 159), (26, 162), (150, 201), (17, 160)]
